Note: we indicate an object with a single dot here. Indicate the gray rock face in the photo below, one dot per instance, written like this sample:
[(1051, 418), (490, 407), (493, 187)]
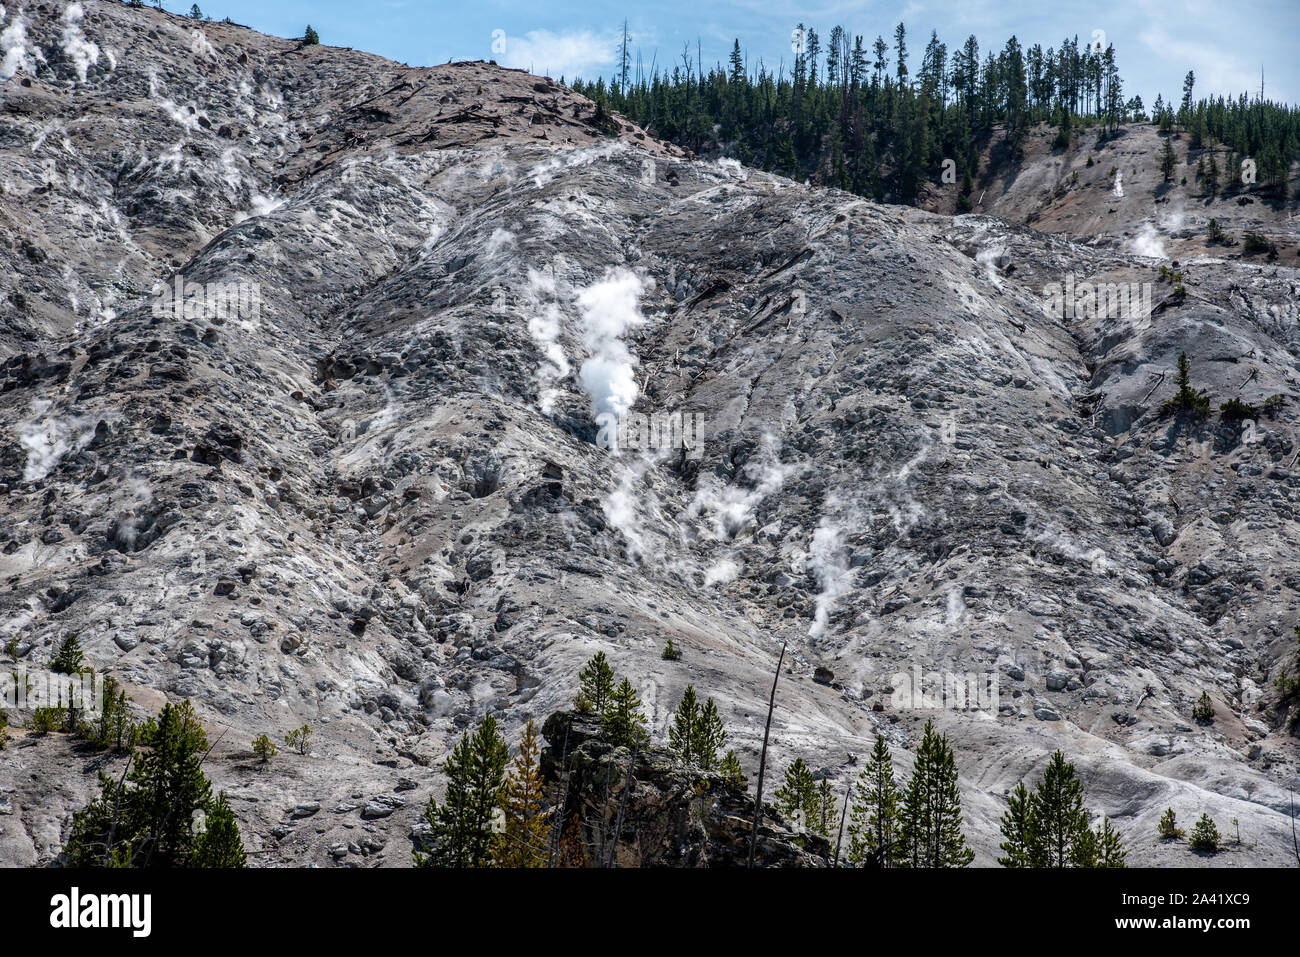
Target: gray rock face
[(370, 495)]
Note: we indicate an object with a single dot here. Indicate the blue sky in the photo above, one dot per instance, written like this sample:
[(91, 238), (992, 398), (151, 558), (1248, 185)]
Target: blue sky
[(1157, 41)]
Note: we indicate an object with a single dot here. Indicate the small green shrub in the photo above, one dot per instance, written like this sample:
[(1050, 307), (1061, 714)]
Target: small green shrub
[(1203, 710), (1253, 242), (264, 748), (1205, 835), (112, 729), (1236, 410), (1168, 827), (68, 661), (731, 770), (45, 720), (299, 739), (1186, 399)]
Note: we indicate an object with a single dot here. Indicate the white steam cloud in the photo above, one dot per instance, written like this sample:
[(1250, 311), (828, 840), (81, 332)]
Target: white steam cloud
[(132, 511), (729, 510), (83, 52), (723, 572), (989, 258), (609, 311), (13, 49), (200, 46), (544, 327), (826, 556), (1148, 243), (47, 439)]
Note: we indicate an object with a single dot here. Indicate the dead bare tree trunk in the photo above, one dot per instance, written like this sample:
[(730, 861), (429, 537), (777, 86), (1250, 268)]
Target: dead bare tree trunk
[(601, 837), (1295, 841), (762, 759), (561, 800), (622, 805), (843, 814)]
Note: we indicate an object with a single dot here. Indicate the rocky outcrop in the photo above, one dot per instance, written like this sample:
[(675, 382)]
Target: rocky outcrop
[(671, 815)]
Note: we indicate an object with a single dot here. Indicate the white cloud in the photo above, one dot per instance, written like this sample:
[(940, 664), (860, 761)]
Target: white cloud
[(1217, 72), (569, 54)]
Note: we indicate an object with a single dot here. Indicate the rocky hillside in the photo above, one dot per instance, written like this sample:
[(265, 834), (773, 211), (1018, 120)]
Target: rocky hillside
[(371, 497), (1110, 189)]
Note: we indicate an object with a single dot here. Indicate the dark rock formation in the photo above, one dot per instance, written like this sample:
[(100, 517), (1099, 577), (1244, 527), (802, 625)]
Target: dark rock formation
[(672, 816)]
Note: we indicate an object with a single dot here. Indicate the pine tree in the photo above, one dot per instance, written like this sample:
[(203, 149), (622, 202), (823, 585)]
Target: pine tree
[(310, 37), (1186, 398), (219, 843), (1184, 110), (1109, 847), (873, 815), (1205, 835), (1203, 710), (265, 748), (522, 842), (299, 739), (731, 770), (461, 828), (697, 733), (737, 64), (824, 818), (796, 799), (787, 161), (710, 737), (147, 821), (1168, 827), (596, 686), (930, 831), (624, 724), (1020, 838), (684, 732), (1058, 813), (172, 781), (1083, 852), (68, 661), (112, 728)]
